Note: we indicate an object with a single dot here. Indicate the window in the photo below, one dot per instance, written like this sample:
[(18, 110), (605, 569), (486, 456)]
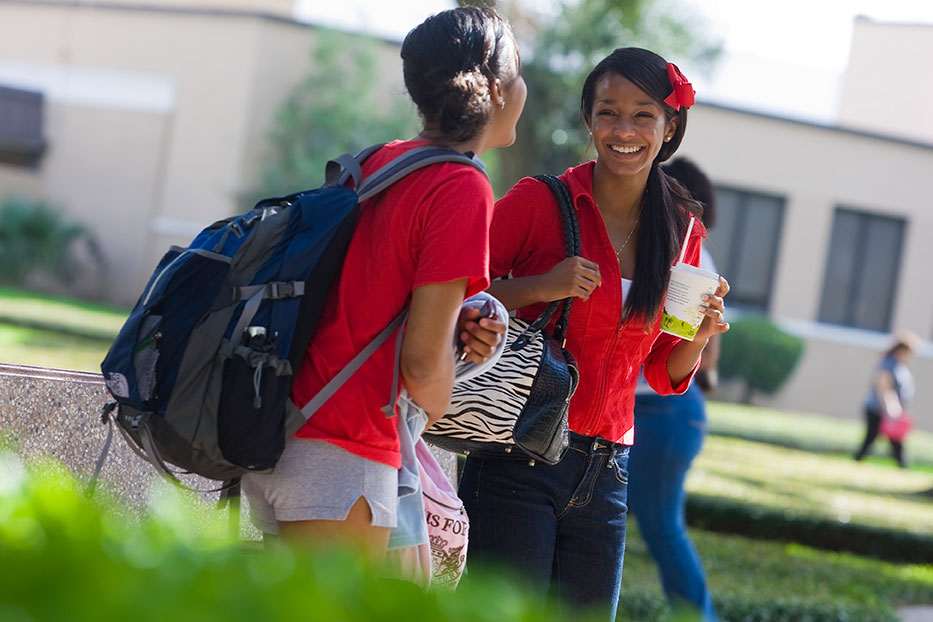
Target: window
[(21, 141), (744, 244), (862, 269)]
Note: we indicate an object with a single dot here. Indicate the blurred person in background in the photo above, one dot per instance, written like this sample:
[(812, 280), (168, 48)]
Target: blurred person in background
[(669, 431), (889, 395)]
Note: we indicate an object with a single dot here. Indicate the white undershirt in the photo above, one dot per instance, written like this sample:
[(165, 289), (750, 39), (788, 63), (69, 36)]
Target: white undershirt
[(626, 286)]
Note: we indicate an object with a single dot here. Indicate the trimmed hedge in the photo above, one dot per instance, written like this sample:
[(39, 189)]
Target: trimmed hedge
[(793, 610), (759, 353), (636, 606), (724, 516), (770, 580)]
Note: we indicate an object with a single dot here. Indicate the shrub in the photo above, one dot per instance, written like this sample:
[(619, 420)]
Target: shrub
[(759, 353), (336, 108), (792, 610), (760, 580), (755, 521), (35, 237)]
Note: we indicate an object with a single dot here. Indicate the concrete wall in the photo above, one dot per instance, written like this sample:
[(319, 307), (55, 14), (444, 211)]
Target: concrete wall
[(52, 412), (817, 169)]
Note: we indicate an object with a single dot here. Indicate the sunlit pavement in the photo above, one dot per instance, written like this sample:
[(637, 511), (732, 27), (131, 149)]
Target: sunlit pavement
[(923, 613)]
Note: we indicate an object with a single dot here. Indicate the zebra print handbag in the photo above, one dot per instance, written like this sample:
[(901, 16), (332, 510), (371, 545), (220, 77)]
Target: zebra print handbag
[(519, 407)]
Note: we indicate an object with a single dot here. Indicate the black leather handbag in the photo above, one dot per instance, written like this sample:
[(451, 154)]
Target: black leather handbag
[(519, 407)]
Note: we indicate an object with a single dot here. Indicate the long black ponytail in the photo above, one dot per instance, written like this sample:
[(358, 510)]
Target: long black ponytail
[(667, 205)]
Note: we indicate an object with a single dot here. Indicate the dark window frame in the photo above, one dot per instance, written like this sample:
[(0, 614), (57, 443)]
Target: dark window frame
[(865, 217), (22, 125), (736, 244)]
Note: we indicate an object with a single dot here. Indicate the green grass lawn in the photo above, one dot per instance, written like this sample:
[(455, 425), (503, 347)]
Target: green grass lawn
[(741, 569), (43, 348), (796, 463), (811, 432), (48, 331), (799, 482)]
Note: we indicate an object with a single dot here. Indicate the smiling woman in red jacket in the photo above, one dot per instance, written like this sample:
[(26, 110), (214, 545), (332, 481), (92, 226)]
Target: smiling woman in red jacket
[(563, 526)]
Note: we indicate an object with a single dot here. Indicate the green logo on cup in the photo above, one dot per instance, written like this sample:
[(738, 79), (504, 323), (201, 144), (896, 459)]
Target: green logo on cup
[(678, 328), (682, 316)]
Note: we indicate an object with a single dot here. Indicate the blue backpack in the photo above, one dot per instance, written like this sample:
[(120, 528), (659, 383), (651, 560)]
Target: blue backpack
[(202, 369)]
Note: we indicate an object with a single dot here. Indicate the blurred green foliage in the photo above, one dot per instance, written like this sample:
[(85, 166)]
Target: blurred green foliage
[(561, 42), (35, 237), (337, 108), (70, 558), (759, 353)]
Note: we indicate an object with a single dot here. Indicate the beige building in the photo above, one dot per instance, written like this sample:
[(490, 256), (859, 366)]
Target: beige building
[(887, 81), (825, 230), (155, 116)]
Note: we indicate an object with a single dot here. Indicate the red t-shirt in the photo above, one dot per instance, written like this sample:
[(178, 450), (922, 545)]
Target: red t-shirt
[(526, 238), (430, 227)]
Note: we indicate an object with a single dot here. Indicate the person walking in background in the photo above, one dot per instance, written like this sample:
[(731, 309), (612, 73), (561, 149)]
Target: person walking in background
[(889, 395), (670, 431), (562, 527), (423, 243)]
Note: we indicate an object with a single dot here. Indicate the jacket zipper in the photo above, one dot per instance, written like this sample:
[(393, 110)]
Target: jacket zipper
[(602, 387), (594, 417)]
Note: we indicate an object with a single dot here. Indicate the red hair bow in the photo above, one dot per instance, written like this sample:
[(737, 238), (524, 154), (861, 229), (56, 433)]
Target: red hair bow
[(682, 93)]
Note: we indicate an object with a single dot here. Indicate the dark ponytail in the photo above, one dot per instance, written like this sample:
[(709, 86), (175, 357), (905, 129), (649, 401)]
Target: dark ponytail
[(667, 206), (449, 63)]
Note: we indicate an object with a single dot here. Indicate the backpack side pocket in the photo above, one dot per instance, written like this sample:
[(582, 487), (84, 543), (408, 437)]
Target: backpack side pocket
[(251, 414)]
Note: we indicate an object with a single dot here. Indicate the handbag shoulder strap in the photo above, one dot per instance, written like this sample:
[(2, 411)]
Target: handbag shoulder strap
[(571, 229)]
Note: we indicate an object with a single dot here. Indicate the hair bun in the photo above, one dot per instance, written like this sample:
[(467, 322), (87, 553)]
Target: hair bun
[(473, 81)]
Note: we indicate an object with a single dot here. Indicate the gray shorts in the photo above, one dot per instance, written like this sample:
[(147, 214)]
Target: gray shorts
[(315, 480)]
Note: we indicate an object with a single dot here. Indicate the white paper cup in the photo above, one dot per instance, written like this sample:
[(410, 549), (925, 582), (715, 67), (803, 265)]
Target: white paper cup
[(682, 316)]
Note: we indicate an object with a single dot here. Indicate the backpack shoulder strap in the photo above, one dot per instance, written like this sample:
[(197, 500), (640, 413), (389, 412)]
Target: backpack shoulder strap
[(387, 175), (409, 162), (346, 166), (344, 374)]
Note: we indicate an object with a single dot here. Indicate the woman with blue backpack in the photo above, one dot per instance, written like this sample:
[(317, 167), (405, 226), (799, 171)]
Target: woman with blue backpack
[(422, 244)]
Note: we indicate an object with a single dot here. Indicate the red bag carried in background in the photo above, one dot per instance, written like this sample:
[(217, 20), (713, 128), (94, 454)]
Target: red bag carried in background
[(896, 428)]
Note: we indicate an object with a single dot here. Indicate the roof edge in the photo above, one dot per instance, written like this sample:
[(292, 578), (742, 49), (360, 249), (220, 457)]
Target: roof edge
[(818, 125), (196, 11)]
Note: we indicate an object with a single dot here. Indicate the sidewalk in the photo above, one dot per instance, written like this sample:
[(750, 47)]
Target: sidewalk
[(918, 613)]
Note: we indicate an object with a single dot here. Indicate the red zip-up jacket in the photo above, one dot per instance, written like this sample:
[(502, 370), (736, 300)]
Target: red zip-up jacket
[(526, 238)]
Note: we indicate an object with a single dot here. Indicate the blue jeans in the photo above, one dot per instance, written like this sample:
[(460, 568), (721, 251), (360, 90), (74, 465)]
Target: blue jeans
[(669, 433), (561, 527)]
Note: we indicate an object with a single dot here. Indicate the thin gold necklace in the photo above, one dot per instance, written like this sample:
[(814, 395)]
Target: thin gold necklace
[(629, 237)]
